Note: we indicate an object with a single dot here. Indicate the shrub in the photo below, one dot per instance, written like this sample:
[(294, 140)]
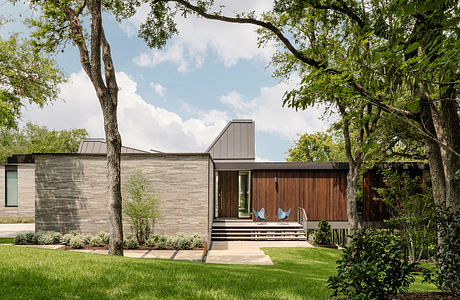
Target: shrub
[(104, 236), (447, 275), (20, 239), (140, 205), (65, 239), (373, 266), (56, 237), (131, 242), (74, 232), (30, 237), (150, 242), (197, 241), (180, 241), (86, 238), (76, 242), (96, 241), (323, 235), (160, 245), (46, 238)]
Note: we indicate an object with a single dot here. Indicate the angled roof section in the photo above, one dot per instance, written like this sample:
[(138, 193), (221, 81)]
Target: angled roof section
[(235, 142), (99, 146)]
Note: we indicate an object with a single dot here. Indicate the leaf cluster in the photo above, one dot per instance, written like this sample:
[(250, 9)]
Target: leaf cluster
[(38, 139), (373, 266)]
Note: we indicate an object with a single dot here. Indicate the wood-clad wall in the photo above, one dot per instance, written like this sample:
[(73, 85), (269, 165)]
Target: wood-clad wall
[(322, 193)]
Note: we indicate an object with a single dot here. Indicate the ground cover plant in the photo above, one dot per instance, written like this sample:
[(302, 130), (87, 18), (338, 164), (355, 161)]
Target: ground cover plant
[(6, 240), (298, 273), (75, 240)]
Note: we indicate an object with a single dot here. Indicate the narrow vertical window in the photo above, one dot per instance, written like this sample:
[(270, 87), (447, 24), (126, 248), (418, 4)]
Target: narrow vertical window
[(11, 187)]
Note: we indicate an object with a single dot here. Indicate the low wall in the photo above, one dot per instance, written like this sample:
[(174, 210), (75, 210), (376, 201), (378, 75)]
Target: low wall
[(71, 191)]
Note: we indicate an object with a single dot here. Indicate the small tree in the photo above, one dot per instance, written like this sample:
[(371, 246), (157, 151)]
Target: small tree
[(411, 207), (140, 205)]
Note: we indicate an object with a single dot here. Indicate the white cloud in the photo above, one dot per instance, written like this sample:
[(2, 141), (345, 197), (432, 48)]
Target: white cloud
[(141, 124), (231, 42), (158, 88), (267, 111)]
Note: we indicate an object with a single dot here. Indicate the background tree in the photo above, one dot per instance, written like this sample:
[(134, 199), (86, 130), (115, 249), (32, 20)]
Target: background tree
[(25, 75), (316, 147), (394, 57), (38, 139)]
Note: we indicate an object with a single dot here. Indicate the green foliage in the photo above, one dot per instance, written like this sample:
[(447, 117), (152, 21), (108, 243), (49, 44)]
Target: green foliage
[(447, 274), (104, 236), (131, 242), (77, 242), (140, 205), (181, 241), (25, 75), (411, 206), (373, 266), (30, 237), (45, 239), (197, 241), (322, 236), (20, 239), (86, 238), (66, 238), (95, 241), (316, 147), (150, 242), (38, 139)]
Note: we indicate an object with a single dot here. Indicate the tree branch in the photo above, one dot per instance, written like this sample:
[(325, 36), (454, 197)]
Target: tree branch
[(344, 9), (78, 38)]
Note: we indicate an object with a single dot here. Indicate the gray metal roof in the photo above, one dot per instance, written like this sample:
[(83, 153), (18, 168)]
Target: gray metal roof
[(94, 146), (235, 142), (280, 166)]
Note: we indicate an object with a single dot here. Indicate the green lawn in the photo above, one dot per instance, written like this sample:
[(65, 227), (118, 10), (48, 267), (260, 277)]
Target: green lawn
[(298, 273), (6, 240)]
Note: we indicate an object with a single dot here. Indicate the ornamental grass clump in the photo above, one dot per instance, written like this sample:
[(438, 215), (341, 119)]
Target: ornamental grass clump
[(46, 238), (96, 241), (65, 239), (373, 266), (131, 242), (104, 236), (77, 242), (197, 241), (180, 241)]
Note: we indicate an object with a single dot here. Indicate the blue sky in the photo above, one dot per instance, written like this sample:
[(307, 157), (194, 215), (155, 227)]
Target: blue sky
[(178, 99)]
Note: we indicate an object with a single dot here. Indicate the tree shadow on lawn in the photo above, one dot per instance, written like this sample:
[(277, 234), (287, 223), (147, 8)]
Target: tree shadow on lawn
[(38, 273)]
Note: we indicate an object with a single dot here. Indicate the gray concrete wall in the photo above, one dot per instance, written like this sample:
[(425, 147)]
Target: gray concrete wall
[(26, 193), (71, 191)]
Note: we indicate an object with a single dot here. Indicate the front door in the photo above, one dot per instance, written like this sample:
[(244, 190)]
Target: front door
[(227, 194)]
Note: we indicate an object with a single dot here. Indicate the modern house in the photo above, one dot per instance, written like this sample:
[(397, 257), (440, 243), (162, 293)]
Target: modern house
[(213, 193)]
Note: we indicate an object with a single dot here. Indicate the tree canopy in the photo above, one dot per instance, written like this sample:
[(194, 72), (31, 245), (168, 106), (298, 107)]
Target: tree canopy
[(38, 139), (316, 147), (25, 75)]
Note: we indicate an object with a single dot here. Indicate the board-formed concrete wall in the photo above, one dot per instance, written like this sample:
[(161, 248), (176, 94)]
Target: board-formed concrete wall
[(26, 193), (71, 191)]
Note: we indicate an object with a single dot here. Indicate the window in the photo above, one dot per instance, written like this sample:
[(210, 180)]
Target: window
[(11, 186)]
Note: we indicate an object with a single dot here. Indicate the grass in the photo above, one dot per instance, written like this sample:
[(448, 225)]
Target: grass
[(298, 273), (16, 220), (6, 240)]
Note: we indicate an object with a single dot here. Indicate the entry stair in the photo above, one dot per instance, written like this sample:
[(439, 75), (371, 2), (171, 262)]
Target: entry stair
[(247, 230)]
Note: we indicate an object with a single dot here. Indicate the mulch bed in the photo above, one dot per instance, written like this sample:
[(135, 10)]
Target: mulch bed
[(420, 296)]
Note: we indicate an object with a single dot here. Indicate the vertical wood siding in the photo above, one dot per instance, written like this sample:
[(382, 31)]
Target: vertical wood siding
[(322, 193), (228, 194)]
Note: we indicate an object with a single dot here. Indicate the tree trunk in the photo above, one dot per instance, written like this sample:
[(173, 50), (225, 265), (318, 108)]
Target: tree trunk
[(451, 128), (113, 139), (352, 187)]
